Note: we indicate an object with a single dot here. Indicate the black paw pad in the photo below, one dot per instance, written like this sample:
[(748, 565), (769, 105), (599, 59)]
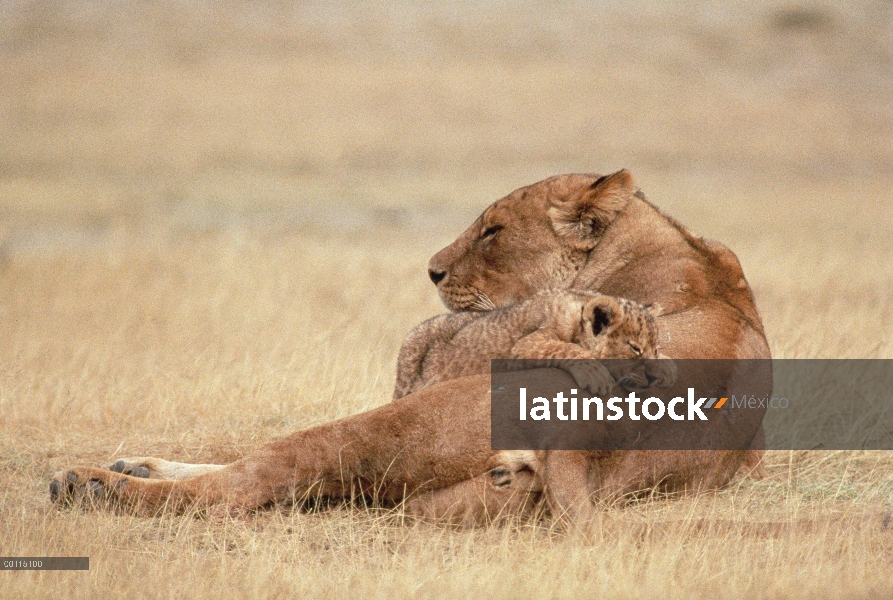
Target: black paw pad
[(118, 466), (55, 489), (501, 476), (139, 472), (96, 488)]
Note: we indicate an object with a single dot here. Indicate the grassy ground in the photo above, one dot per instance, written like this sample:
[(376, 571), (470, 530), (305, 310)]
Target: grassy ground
[(214, 225)]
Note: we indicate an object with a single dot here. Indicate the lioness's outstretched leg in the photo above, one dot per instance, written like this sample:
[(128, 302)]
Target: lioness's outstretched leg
[(431, 439)]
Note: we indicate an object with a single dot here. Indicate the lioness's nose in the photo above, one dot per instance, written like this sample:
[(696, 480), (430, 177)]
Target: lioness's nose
[(436, 275)]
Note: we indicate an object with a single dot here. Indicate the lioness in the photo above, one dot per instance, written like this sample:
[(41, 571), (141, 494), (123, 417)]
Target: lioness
[(569, 231), (550, 326)]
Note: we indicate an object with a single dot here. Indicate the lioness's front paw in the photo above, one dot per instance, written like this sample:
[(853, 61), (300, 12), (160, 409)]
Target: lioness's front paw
[(84, 484), (592, 376)]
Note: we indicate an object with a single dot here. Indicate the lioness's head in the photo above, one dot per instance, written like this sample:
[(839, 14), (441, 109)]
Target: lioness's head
[(619, 328), (535, 238)]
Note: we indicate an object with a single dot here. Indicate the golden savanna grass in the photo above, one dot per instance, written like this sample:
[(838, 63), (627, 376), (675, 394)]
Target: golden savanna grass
[(214, 226)]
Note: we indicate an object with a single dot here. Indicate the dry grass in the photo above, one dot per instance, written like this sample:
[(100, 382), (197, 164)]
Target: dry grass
[(214, 223)]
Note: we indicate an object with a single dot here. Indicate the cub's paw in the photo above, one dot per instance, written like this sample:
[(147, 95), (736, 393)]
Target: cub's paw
[(634, 380), (662, 372), (593, 376)]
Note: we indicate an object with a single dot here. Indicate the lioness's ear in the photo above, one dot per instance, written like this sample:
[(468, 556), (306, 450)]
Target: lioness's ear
[(583, 218), (600, 314)]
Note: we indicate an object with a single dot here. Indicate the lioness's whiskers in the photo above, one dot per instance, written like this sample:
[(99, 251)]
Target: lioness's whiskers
[(481, 305), (476, 305), (484, 301)]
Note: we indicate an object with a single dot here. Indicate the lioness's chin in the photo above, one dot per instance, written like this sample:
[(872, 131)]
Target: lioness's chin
[(458, 307)]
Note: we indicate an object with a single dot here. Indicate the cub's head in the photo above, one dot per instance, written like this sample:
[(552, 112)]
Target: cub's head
[(535, 238), (619, 328)]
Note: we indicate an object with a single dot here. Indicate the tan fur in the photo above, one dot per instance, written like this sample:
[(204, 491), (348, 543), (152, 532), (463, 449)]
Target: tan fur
[(601, 236), (569, 479), (575, 223), (476, 501), (550, 326)]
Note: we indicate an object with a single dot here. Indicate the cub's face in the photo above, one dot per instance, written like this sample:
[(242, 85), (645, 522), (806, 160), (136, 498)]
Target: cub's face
[(535, 238), (619, 328)]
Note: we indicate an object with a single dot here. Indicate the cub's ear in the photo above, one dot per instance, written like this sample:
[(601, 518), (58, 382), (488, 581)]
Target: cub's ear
[(583, 218), (600, 314)]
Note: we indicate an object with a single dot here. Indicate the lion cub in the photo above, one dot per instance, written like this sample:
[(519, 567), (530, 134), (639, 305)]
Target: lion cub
[(553, 325), (550, 326)]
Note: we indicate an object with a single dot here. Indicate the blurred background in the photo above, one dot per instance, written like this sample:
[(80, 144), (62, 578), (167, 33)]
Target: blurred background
[(131, 122)]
